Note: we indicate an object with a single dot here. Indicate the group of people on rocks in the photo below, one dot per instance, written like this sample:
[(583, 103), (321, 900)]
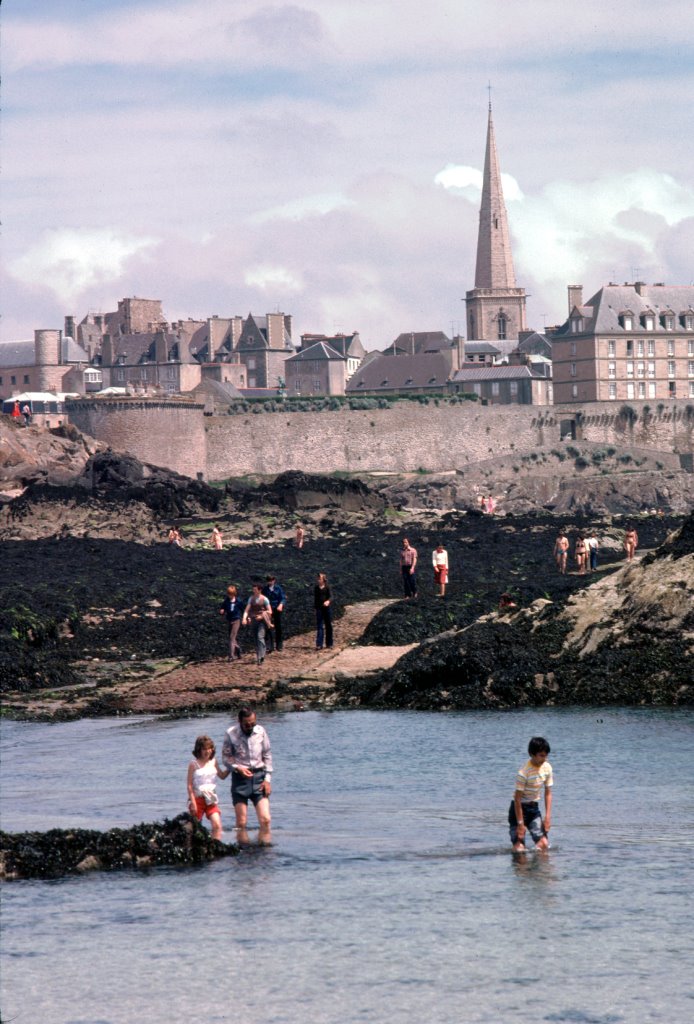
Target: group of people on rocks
[(586, 550), (264, 612), (175, 537), (408, 569), (247, 757)]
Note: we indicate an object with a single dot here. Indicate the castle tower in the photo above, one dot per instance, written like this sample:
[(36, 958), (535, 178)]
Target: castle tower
[(495, 306)]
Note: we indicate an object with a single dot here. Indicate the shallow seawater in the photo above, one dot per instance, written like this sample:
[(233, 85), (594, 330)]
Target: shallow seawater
[(389, 894)]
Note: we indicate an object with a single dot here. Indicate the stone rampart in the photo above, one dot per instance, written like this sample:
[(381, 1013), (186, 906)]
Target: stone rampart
[(164, 433), (404, 437)]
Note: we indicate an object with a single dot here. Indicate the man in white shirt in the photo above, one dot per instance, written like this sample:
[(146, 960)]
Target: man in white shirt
[(246, 751)]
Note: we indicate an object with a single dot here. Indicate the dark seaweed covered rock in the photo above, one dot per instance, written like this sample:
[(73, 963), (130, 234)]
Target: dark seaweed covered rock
[(296, 490), (181, 841)]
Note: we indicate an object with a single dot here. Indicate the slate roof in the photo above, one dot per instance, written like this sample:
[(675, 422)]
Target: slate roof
[(478, 348), (602, 310), (400, 373), (218, 391), (16, 353), (140, 348), (473, 373), (423, 341), (319, 351)]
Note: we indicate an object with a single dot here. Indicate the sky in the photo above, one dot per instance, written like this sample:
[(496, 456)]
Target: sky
[(324, 157)]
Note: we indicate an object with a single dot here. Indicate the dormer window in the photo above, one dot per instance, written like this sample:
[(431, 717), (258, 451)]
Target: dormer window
[(648, 320), (687, 320), (668, 321), (626, 321), (577, 325)]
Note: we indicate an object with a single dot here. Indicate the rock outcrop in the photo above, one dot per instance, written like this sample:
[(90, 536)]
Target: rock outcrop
[(181, 841), (626, 639)]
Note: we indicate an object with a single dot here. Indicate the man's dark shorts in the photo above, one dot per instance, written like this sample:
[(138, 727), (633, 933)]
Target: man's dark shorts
[(532, 819), (244, 789)]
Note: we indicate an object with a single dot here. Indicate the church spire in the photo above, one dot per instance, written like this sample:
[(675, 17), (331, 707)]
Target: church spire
[(494, 268)]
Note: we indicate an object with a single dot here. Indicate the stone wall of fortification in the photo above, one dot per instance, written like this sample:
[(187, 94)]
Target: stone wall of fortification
[(170, 434), (404, 437)]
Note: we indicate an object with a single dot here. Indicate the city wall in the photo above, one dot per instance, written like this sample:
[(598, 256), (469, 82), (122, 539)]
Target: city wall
[(405, 437)]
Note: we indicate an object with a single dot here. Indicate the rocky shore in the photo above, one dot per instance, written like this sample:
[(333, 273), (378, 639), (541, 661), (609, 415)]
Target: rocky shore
[(101, 616), (58, 852)]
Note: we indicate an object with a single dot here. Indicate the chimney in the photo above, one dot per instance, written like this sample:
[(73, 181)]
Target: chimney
[(69, 327), (575, 296), (640, 287)]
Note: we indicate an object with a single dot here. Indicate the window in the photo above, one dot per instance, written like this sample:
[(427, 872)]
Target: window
[(143, 373), (671, 369), (651, 390), (0, 381), (690, 368), (574, 390), (627, 321), (630, 369), (316, 385), (26, 378), (495, 387), (630, 390), (688, 322), (513, 387), (120, 375), (639, 348), (503, 321), (672, 389), (610, 348), (251, 382), (577, 325), (171, 373), (651, 369), (297, 386), (573, 348), (670, 347), (573, 370), (13, 380), (640, 369), (690, 348), (250, 362), (649, 322), (641, 389), (651, 347), (669, 322), (691, 388), (612, 370), (630, 347), (611, 390)]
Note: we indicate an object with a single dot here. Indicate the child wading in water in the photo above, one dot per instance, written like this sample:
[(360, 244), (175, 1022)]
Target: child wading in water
[(203, 771), (524, 812)]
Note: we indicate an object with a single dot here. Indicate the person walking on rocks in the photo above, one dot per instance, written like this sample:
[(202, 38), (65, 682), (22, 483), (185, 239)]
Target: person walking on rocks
[(324, 618), (233, 607), (217, 542), (259, 613), (561, 551), (26, 413), (247, 753), (203, 772), (277, 598), (408, 565), (439, 560), (581, 554), (631, 542), (299, 536)]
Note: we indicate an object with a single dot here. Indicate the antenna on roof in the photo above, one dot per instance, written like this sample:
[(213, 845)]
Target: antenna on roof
[(489, 90)]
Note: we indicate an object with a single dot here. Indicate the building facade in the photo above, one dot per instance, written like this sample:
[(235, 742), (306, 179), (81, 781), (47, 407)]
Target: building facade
[(631, 341)]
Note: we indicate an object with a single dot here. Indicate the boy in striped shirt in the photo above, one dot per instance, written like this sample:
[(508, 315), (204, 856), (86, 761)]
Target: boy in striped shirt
[(524, 812)]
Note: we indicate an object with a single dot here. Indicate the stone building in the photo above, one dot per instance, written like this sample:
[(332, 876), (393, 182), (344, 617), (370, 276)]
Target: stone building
[(495, 307), (317, 370), (264, 345), (504, 385), (348, 345), (50, 363), (424, 373), (631, 341)]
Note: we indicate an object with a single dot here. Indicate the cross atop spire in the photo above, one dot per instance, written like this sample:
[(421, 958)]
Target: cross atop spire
[(494, 268)]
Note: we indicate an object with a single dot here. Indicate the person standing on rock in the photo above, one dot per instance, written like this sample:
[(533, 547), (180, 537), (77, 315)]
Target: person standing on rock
[(277, 598), (408, 565), (561, 551), (581, 554), (217, 542), (324, 617), (593, 544), (233, 607), (26, 413), (247, 753), (631, 542), (299, 536), (258, 612), (439, 560)]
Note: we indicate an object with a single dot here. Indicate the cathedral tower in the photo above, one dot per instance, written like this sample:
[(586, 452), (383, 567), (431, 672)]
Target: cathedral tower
[(495, 307)]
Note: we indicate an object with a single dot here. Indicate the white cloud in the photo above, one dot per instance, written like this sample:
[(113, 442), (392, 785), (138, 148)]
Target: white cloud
[(468, 181), (272, 278), (70, 261), (297, 209)]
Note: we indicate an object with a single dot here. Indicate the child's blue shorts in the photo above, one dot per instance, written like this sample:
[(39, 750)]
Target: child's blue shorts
[(532, 819)]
